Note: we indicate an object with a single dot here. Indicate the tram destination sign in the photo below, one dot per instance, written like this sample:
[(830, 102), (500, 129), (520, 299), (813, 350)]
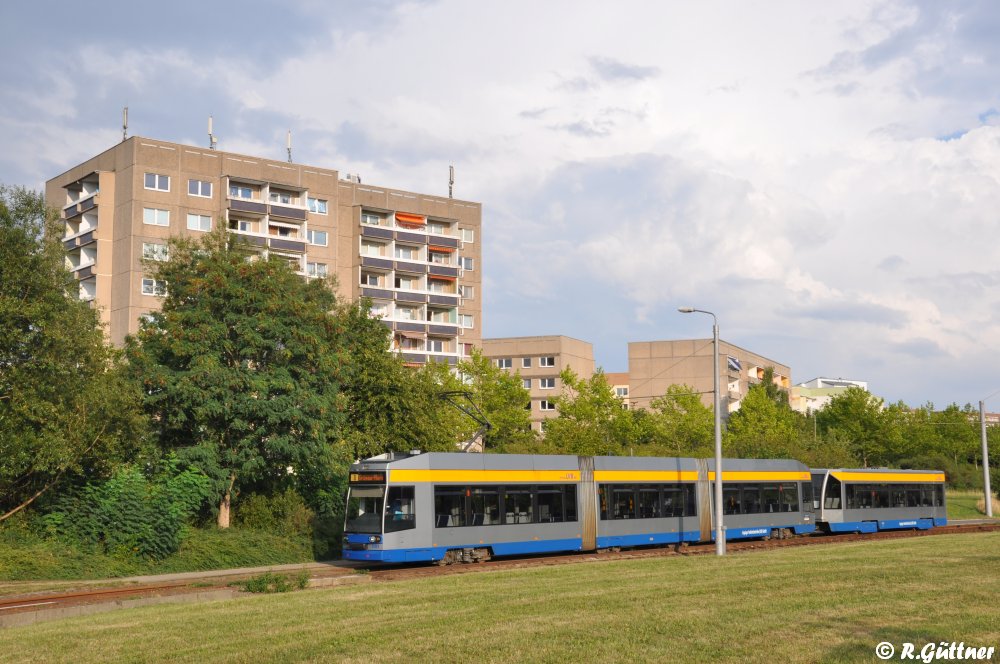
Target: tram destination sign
[(367, 478)]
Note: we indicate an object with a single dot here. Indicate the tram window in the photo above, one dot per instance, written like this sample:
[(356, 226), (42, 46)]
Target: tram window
[(550, 504), (913, 496), (938, 496), (898, 493), (927, 496), (690, 505), (517, 502), (673, 501), (771, 498), (831, 499), (449, 506), (881, 496), (570, 502), (649, 502), (485, 502), (399, 510), (730, 499), (364, 509), (602, 497), (807, 496), (622, 503), (859, 496), (751, 498), (789, 494)]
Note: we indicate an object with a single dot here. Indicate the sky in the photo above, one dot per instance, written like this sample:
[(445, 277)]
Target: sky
[(824, 177)]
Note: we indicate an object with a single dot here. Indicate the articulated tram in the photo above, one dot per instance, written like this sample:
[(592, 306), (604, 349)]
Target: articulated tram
[(872, 499), (448, 507)]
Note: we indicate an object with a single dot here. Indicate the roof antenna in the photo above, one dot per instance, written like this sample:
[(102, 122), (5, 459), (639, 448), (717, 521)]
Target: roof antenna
[(451, 180), (288, 145), (212, 140), (124, 124)]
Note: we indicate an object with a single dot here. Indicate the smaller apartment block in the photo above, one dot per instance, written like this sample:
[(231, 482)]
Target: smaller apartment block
[(539, 361), (656, 365)]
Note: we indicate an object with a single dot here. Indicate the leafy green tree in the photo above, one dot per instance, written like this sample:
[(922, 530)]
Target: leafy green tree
[(591, 419), (502, 398), (242, 366), (857, 417), (762, 428), (682, 424), (66, 410)]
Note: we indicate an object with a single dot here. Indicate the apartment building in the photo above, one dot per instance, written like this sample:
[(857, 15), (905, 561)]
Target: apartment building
[(815, 394), (618, 381), (653, 366), (539, 361), (416, 256)]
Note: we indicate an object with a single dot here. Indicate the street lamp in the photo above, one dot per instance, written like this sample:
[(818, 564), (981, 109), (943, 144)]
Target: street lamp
[(720, 532), (986, 456)]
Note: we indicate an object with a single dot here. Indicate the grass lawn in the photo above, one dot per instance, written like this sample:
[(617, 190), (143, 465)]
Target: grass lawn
[(962, 505), (822, 603)]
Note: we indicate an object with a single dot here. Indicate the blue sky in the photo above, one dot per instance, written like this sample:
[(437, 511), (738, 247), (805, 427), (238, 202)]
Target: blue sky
[(823, 176)]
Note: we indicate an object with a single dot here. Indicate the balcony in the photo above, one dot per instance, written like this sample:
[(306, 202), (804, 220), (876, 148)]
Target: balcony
[(443, 270), (404, 296), (410, 327), (412, 267), (379, 293), (298, 214), (417, 238), (381, 263), (287, 245), (443, 330), (242, 205), (444, 241), (84, 271), (447, 300), (381, 233)]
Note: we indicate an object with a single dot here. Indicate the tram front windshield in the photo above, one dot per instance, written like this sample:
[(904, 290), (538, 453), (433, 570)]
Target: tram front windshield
[(364, 509)]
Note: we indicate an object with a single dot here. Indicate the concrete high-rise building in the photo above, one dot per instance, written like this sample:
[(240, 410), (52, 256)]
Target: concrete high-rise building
[(416, 256), (653, 366), (815, 394), (539, 361)]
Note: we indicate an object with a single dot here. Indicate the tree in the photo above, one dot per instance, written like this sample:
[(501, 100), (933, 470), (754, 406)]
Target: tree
[(502, 398), (591, 419), (762, 428), (857, 417), (683, 425), (66, 409), (242, 366)]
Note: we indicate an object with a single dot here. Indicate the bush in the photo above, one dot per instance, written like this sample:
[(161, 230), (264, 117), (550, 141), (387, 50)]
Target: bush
[(282, 514)]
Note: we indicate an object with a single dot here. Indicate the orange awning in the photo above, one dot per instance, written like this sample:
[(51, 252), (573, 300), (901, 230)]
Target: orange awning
[(410, 335), (440, 277), (447, 250), (414, 219)]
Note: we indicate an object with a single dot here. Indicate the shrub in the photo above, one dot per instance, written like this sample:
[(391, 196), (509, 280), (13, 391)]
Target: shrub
[(283, 514)]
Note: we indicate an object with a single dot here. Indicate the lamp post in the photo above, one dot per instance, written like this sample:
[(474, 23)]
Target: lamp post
[(986, 457), (720, 532)]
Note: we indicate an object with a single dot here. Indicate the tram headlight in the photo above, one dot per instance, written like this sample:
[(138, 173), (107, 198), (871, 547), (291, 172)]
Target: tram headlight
[(374, 538)]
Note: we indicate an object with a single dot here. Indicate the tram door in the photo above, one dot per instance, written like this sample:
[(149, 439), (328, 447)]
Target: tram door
[(587, 498)]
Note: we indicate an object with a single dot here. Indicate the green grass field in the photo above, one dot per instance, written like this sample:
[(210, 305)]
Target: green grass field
[(962, 505), (829, 603)]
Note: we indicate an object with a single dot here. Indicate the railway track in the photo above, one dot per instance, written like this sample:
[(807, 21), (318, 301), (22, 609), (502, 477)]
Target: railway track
[(39, 602)]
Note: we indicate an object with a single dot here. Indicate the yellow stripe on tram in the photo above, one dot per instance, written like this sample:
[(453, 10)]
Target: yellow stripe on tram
[(484, 476), (761, 475), (645, 476), (891, 478)]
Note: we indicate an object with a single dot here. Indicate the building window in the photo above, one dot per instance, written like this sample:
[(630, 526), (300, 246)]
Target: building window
[(505, 363), (468, 235), (282, 197), (406, 282), (372, 219), (441, 315), (436, 345), (621, 392), (545, 404), (200, 188), (526, 383), (317, 205), (155, 287), (436, 286), (467, 352), (467, 263), (547, 383), (525, 362), (154, 252), (319, 238), (157, 182), (372, 248), (371, 279), (465, 320), (240, 191), (283, 230), (437, 228), (439, 258), (546, 361), (468, 292), (243, 225), (316, 270), (155, 217), (406, 313), (380, 309), (406, 253), (199, 222)]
